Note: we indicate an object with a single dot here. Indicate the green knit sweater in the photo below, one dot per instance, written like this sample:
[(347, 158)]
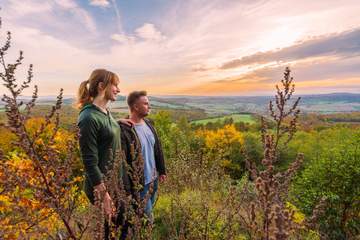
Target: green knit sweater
[(99, 140)]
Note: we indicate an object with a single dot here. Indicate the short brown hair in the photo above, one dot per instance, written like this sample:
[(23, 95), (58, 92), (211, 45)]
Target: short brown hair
[(134, 96)]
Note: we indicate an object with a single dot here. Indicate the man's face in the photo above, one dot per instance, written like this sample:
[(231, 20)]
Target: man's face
[(142, 106)]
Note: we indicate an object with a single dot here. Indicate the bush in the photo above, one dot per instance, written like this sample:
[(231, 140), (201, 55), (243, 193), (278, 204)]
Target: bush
[(333, 174)]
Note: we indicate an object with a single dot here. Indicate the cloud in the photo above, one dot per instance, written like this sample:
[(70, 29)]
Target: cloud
[(80, 14), (345, 44), (251, 85), (22, 8), (237, 85), (56, 63), (121, 38), (100, 3), (84, 17), (180, 45), (149, 32), (318, 74), (118, 16), (67, 4), (51, 16)]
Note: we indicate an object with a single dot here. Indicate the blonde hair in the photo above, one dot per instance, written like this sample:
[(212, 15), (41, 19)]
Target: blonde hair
[(88, 89)]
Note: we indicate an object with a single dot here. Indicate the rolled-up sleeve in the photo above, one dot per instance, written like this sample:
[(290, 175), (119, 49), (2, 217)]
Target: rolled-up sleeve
[(89, 149)]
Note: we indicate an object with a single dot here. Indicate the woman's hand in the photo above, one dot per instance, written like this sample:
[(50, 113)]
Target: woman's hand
[(103, 195), (109, 207)]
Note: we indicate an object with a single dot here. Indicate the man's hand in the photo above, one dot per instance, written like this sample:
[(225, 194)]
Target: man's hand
[(162, 178), (127, 122)]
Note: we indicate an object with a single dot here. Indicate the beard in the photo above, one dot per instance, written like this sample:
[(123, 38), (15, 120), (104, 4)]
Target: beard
[(144, 114)]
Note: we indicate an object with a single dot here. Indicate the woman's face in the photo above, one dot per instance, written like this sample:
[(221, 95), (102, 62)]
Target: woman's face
[(109, 92), (113, 91)]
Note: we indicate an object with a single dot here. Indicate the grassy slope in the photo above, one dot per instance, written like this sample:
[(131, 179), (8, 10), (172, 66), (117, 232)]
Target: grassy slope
[(247, 118)]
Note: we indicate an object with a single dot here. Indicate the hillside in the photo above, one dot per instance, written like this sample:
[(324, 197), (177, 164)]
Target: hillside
[(322, 103)]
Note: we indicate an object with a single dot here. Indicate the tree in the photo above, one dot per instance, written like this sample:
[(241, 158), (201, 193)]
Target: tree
[(333, 174), (225, 146)]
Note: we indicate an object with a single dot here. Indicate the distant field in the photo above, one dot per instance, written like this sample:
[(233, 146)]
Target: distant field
[(246, 118)]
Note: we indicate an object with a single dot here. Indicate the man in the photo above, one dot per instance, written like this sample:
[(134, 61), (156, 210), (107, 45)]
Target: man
[(141, 138)]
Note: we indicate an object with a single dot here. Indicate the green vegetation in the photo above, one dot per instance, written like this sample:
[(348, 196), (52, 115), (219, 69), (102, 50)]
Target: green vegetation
[(241, 117), (332, 172)]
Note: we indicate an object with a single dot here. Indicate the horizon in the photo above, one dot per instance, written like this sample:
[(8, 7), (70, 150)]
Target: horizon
[(201, 96), (198, 48)]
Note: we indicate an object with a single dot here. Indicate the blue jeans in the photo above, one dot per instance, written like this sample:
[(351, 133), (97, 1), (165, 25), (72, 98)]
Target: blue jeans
[(151, 199)]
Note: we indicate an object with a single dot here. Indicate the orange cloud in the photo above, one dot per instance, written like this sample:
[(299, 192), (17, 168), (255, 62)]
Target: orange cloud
[(330, 83), (245, 83), (254, 84)]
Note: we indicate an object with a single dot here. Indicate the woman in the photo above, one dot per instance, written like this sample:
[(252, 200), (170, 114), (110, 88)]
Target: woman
[(99, 133)]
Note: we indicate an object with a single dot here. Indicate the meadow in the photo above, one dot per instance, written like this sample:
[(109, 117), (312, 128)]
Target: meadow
[(245, 118)]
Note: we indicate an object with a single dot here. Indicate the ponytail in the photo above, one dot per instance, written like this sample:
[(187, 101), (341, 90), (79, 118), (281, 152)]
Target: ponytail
[(83, 97)]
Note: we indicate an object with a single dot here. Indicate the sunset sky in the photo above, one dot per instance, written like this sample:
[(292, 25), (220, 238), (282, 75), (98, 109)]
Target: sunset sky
[(188, 47)]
